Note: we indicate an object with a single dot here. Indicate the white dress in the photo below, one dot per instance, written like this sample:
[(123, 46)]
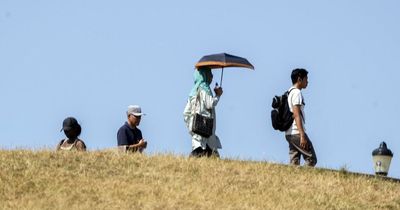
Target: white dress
[(205, 107)]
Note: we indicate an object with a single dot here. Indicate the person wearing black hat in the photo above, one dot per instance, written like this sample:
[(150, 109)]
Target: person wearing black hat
[(72, 130)]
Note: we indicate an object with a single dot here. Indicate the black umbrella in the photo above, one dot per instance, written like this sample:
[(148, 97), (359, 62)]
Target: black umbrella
[(222, 60)]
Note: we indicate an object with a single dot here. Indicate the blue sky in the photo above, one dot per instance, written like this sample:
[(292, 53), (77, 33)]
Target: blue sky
[(91, 59)]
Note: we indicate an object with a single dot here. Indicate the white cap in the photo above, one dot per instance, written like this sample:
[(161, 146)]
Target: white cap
[(134, 110)]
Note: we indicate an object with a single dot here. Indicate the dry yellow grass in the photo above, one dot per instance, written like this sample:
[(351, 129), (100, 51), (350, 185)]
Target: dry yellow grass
[(107, 180)]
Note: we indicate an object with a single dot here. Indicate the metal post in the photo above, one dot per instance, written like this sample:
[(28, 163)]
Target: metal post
[(222, 75)]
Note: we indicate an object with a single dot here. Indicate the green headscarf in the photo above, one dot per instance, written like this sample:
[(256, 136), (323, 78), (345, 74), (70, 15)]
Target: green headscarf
[(200, 81)]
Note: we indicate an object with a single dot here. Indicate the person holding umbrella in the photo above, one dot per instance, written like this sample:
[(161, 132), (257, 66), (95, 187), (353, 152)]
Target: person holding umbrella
[(201, 101)]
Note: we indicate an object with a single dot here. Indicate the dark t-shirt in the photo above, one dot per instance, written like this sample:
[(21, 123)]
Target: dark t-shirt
[(128, 136)]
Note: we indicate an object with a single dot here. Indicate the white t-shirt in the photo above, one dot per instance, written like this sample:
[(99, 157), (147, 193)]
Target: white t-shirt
[(296, 98)]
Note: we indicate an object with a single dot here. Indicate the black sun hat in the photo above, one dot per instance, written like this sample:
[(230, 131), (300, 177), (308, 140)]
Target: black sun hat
[(69, 123)]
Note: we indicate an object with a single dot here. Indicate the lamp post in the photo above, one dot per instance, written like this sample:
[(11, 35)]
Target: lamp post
[(382, 157)]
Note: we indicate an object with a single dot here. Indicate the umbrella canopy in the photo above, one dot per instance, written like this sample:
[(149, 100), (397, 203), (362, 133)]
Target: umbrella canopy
[(223, 60)]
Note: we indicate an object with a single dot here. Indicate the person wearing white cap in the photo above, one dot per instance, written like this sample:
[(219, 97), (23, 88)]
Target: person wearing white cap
[(129, 137)]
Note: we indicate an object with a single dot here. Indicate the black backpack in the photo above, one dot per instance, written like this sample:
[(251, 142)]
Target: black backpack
[(281, 116)]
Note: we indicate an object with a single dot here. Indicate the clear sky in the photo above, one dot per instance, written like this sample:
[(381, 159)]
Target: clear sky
[(91, 59)]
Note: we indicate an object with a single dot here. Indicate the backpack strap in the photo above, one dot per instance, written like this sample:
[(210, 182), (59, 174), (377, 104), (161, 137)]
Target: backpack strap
[(290, 90), (198, 102)]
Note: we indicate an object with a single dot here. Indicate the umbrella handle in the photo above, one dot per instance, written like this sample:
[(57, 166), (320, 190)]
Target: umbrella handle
[(222, 76)]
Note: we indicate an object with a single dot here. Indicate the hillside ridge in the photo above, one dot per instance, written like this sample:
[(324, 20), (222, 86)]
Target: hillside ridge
[(108, 180)]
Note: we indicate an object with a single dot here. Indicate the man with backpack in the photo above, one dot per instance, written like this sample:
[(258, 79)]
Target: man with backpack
[(288, 116), (299, 143)]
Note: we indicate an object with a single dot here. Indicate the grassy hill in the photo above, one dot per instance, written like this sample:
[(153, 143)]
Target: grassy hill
[(108, 180)]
